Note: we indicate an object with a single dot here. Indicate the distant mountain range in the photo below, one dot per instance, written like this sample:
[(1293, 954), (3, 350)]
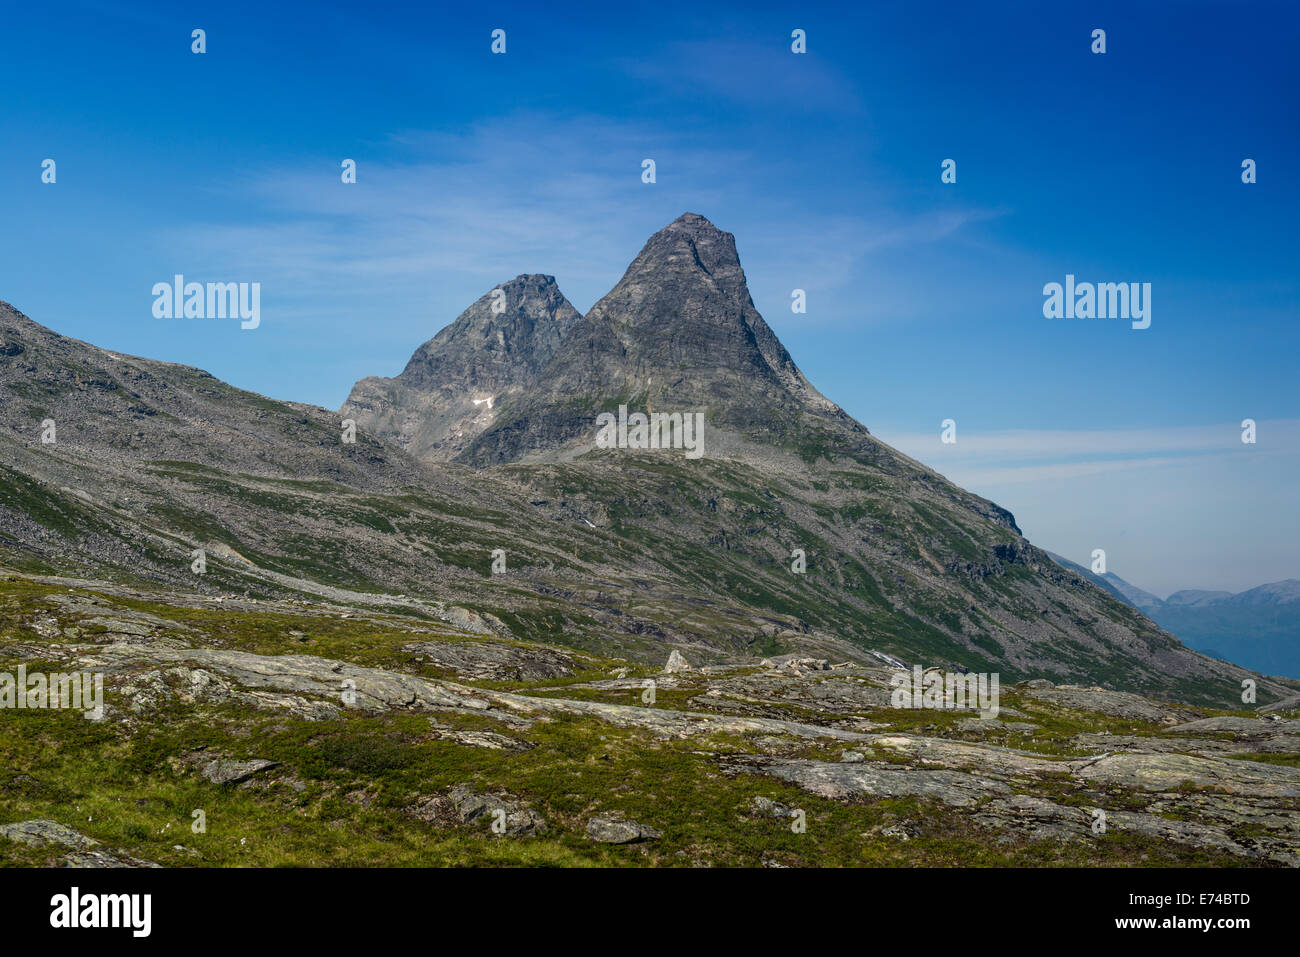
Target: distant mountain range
[(1258, 628)]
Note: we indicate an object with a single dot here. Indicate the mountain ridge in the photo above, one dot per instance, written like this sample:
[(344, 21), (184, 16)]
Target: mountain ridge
[(678, 331), (618, 550)]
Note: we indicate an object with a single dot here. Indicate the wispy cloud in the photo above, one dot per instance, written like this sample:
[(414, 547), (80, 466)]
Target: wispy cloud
[(748, 73), (518, 194), (529, 193), (1081, 451)]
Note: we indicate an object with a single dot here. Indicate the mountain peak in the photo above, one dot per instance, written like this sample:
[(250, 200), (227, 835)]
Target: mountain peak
[(509, 333), (521, 375), (690, 243), (450, 389), (694, 223), (530, 279), (679, 331)]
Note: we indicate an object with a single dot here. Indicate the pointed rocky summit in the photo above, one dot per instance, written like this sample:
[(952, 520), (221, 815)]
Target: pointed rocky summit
[(454, 384), (678, 333)]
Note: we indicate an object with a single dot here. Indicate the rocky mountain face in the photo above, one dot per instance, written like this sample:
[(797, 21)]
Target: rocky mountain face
[(679, 333), (117, 411), (797, 532), (454, 385)]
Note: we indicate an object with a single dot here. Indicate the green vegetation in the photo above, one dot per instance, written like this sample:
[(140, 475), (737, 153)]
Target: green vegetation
[(342, 792)]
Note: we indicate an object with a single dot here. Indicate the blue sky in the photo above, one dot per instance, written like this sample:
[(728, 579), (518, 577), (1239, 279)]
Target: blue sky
[(924, 299)]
